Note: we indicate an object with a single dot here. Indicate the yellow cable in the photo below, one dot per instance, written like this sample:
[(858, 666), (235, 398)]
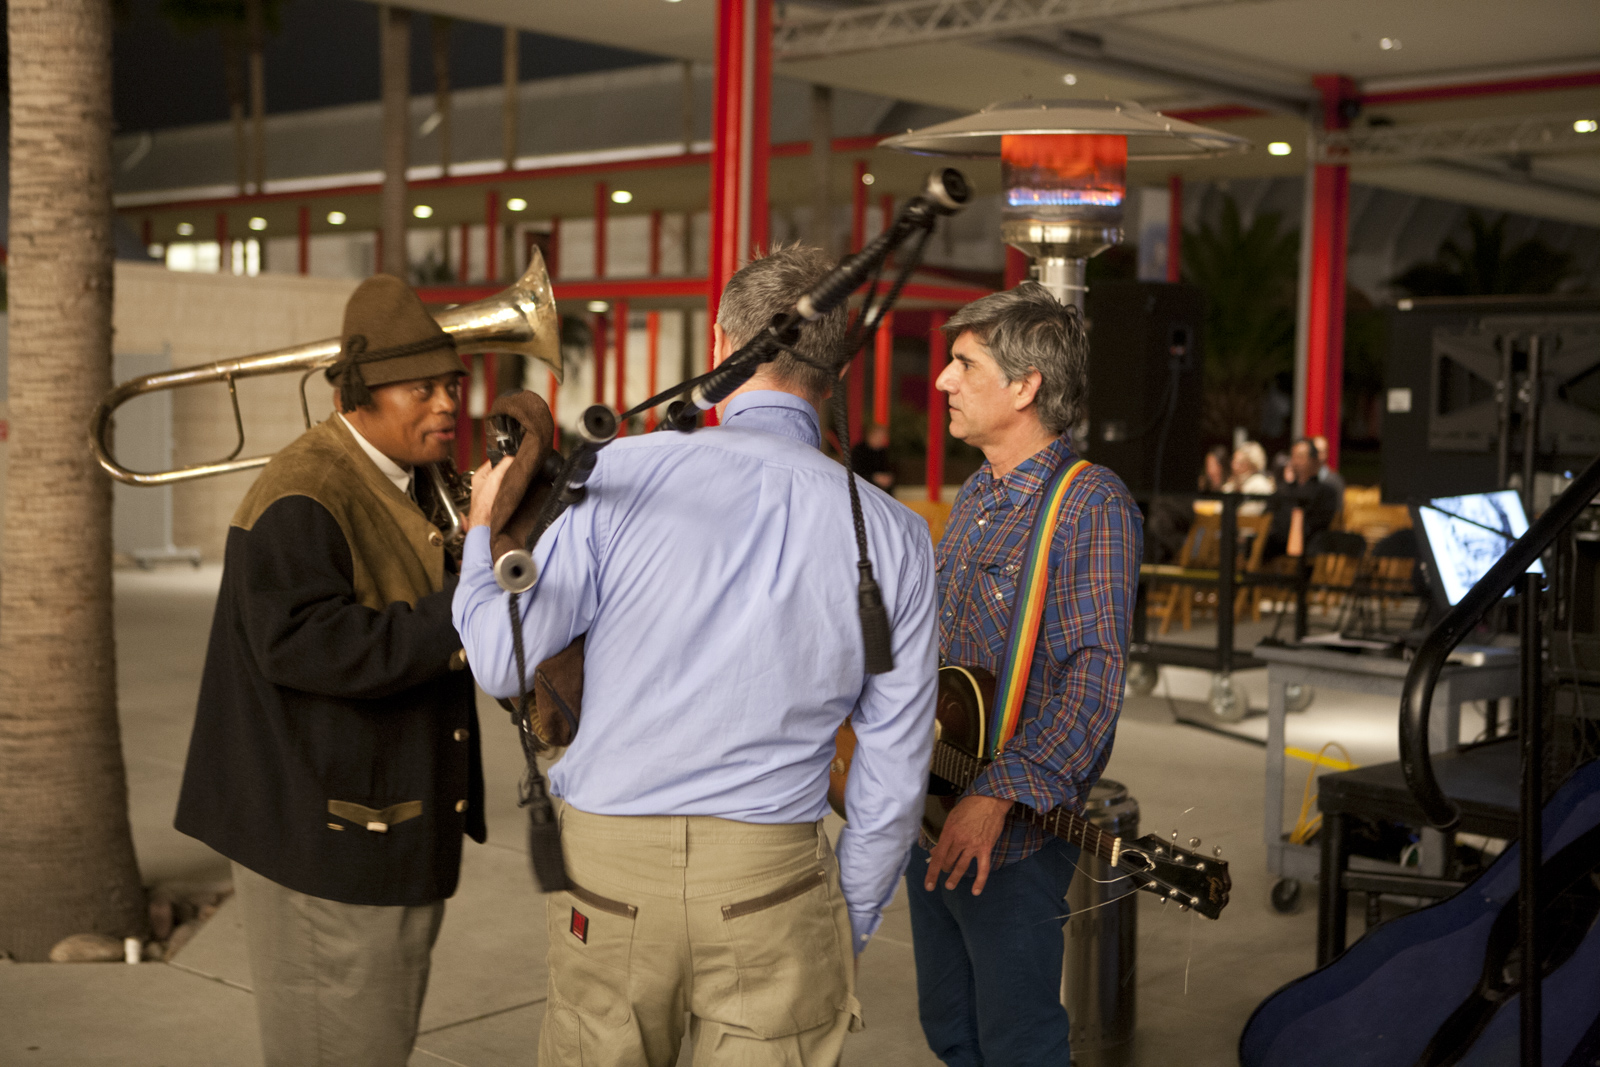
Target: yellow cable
[(1306, 826)]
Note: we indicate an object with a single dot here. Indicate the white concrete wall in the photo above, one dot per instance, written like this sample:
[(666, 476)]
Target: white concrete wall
[(199, 318)]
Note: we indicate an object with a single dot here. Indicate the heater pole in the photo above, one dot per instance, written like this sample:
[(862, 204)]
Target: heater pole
[(1064, 277)]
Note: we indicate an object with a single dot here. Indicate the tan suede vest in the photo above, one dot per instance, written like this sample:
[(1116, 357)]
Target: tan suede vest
[(396, 552)]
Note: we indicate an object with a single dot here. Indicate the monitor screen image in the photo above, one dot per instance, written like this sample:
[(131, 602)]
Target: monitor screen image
[(1461, 534)]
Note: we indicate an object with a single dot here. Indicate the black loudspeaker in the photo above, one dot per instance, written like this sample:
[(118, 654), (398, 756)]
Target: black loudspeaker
[(1145, 384)]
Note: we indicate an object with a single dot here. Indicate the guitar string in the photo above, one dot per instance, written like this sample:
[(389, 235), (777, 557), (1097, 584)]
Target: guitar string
[(959, 764)]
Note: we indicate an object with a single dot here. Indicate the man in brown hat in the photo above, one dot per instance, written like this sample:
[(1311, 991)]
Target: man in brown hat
[(335, 753)]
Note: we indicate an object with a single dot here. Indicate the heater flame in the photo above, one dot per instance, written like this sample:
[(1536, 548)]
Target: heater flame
[(1064, 170)]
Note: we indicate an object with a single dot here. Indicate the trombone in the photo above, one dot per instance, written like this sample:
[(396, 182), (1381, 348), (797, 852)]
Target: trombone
[(520, 320)]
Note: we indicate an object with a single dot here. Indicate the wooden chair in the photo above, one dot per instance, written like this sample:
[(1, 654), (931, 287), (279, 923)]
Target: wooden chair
[(1198, 557)]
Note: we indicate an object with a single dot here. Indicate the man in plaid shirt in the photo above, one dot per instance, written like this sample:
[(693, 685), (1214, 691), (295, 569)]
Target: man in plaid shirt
[(988, 903)]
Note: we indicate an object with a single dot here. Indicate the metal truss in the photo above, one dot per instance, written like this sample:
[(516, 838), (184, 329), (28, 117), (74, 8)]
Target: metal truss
[(1510, 135), (908, 22)]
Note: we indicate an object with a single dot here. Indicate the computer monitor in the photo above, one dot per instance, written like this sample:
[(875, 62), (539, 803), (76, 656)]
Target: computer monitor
[(1466, 535)]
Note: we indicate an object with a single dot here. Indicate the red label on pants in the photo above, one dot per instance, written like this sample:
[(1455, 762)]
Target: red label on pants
[(580, 926)]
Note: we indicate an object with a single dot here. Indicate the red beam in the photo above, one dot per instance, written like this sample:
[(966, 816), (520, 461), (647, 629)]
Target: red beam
[(839, 144), (553, 260), (655, 245), (727, 145), (654, 288), (949, 295), (1220, 113), (1549, 83), (305, 239), (464, 247), (936, 411), (760, 123)]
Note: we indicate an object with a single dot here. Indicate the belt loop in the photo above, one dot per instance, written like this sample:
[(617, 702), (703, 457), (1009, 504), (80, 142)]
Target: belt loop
[(822, 841), (680, 841)]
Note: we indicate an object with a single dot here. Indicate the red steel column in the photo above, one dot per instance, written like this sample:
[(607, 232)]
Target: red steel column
[(491, 237), (740, 136), (883, 370), (465, 274), (553, 260), (1017, 267), (305, 239), (602, 208), (619, 320), (1175, 228), (936, 399), (652, 333), (224, 259), (599, 319), (1330, 207), (554, 391)]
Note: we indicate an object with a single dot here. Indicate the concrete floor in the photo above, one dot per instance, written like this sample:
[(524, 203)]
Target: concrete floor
[(1198, 980)]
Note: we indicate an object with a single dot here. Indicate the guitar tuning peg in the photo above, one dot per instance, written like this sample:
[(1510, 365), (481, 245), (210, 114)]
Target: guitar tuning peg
[(1194, 842), (1163, 901), (1216, 851), (1174, 837)]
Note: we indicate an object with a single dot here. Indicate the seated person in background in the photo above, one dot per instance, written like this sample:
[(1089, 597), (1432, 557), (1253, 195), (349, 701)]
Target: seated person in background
[(1215, 473), (1250, 476), (1326, 474), (870, 458), (1316, 501)]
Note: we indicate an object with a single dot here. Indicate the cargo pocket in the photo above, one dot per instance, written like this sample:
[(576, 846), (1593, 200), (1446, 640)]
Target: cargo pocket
[(591, 946), (791, 976)]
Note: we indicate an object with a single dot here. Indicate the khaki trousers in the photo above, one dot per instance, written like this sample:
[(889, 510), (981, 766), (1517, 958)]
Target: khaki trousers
[(336, 985), (741, 927)]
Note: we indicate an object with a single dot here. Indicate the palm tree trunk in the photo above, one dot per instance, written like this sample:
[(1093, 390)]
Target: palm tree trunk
[(68, 855), (258, 95), (394, 34)]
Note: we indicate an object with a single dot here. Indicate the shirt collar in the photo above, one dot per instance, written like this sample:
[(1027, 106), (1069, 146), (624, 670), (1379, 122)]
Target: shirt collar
[(390, 469), (1029, 477), (772, 411)]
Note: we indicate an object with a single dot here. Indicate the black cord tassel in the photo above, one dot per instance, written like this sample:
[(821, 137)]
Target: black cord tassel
[(874, 623), (544, 840)]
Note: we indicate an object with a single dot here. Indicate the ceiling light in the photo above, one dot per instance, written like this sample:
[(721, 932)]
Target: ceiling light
[(621, 196), (1389, 44), (1279, 148), (185, 229), (516, 203), (422, 211), (868, 179), (1069, 79), (258, 223), (157, 251), (1586, 126), (600, 307), (336, 218)]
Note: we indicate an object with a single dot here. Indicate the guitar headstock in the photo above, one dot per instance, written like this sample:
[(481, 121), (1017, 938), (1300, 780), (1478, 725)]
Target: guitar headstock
[(1186, 878)]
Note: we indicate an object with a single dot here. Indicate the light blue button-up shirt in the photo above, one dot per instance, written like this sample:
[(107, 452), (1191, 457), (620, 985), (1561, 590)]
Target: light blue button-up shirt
[(715, 574)]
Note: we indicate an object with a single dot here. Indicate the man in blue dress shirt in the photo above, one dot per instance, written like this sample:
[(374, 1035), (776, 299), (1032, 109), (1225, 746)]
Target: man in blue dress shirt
[(715, 575), (988, 903)]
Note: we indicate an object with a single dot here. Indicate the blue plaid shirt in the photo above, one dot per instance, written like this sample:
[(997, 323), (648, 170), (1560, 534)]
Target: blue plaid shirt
[(1075, 686)]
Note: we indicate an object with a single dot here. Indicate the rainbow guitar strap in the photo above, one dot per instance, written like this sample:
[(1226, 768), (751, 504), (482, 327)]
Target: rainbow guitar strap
[(1011, 684)]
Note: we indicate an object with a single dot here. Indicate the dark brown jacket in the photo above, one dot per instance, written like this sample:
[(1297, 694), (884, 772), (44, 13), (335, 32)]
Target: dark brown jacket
[(335, 747)]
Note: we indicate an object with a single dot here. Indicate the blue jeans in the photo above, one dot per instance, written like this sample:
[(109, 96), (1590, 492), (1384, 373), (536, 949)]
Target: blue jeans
[(989, 967)]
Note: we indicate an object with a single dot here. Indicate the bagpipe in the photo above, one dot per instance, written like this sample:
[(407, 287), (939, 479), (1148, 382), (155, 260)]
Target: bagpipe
[(541, 484)]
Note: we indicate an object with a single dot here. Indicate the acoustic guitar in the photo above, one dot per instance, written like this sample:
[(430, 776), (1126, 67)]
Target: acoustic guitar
[(966, 695)]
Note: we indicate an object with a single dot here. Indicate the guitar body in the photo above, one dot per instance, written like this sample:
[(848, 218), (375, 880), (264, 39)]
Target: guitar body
[(961, 719)]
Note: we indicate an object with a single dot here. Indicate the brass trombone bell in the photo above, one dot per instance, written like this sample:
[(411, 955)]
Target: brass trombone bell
[(520, 320)]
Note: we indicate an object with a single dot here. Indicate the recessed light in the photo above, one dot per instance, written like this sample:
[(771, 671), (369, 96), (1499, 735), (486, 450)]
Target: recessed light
[(422, 211), (1585, 126), (185, 229), (336, 218), (621, 196), (1279, 148), (600, 307), (1389, 44), (516, 203), (1069, 79), (258, 223), (868, 179)]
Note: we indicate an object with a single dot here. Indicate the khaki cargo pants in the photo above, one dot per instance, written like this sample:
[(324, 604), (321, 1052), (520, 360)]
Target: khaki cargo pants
[(741, 927)]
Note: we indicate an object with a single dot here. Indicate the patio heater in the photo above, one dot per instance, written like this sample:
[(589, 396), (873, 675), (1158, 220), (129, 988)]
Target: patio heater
[(1064, 165)]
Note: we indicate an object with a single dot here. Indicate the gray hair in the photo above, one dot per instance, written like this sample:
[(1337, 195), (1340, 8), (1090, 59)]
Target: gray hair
[(771, 285), (1027, 329)]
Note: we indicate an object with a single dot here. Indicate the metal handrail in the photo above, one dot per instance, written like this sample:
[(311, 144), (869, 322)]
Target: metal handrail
[(1417, 696)]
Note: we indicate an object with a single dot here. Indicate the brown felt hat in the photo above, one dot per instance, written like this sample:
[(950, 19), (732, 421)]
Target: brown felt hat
[(389, 336)]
